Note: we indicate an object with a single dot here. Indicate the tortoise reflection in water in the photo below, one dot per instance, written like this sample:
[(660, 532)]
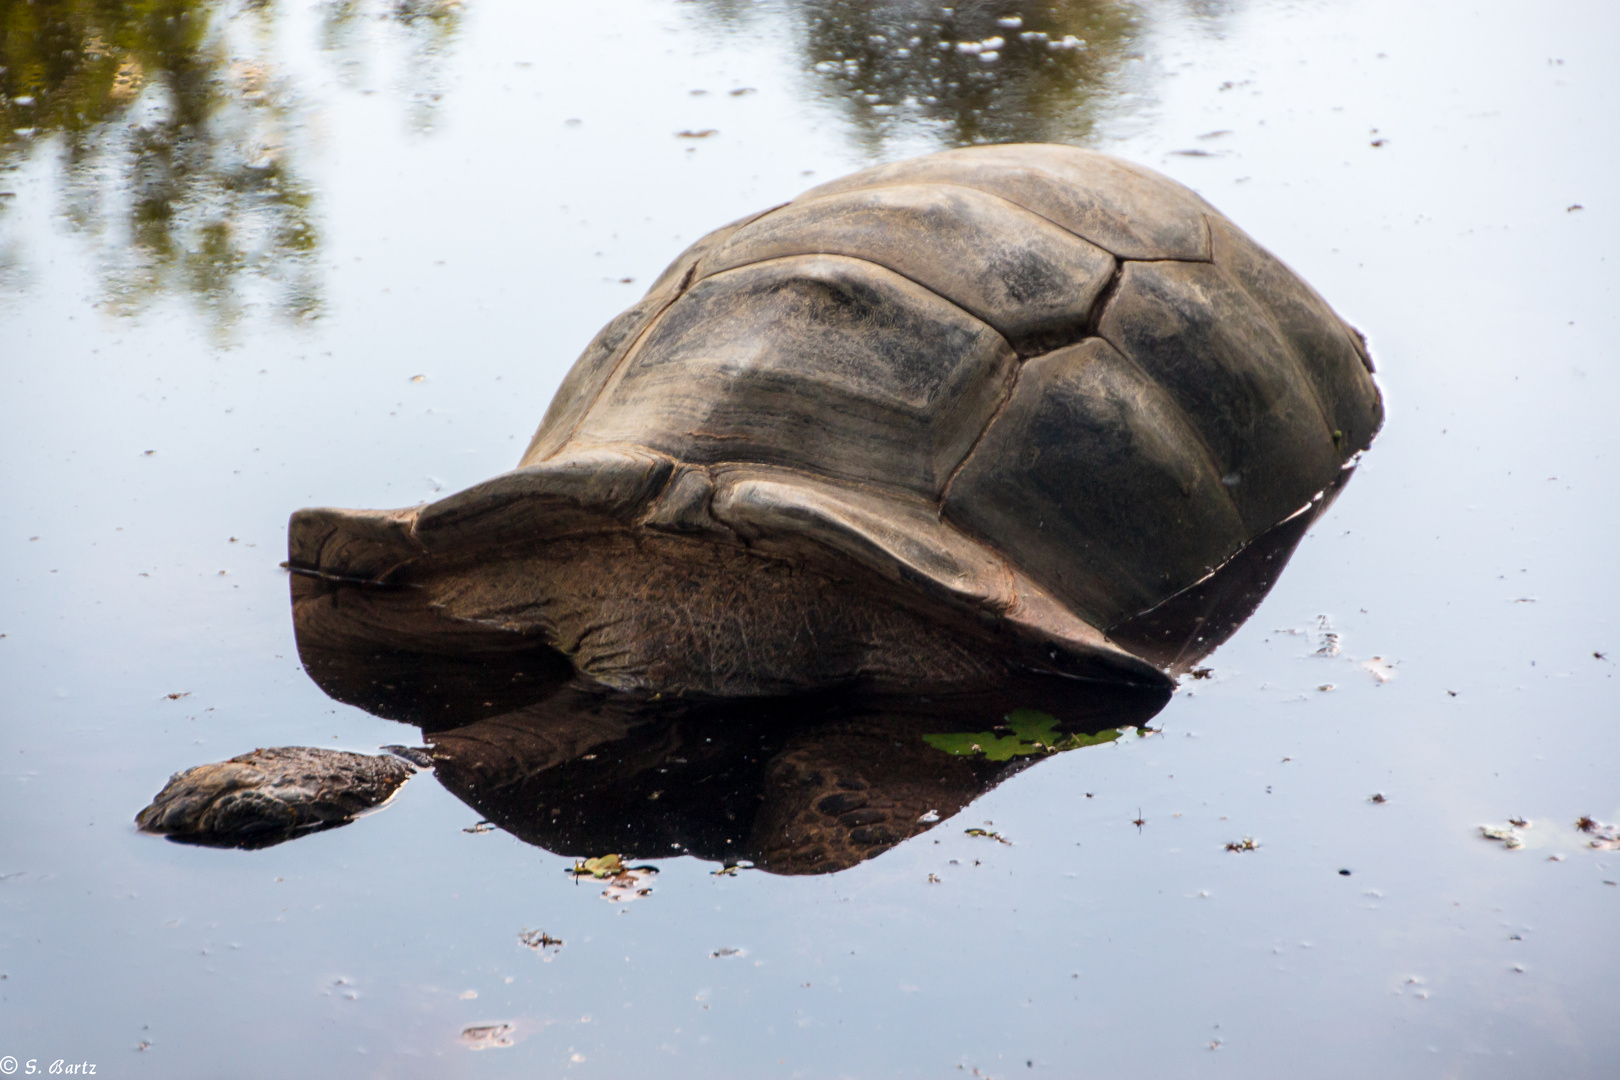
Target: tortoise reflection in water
[(984, 418)]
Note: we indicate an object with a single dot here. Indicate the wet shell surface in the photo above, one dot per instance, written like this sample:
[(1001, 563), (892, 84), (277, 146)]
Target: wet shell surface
[(1034, 391)]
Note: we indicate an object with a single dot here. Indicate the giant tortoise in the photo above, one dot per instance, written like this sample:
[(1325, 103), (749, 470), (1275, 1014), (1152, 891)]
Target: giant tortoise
[(941, 420)]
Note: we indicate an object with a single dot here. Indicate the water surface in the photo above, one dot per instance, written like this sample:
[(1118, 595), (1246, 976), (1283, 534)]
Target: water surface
[(261, 256)]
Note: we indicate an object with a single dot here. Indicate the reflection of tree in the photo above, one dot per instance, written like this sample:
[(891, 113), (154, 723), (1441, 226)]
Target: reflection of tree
[(174, 125), (981, 71), (428, 27), (173, 144)]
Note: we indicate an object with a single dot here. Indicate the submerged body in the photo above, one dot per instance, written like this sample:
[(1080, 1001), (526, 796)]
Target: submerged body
[(936, 422)]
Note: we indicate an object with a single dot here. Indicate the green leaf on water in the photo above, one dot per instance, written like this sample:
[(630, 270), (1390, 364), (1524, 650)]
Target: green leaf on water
[(1031, 732), (603, 866)]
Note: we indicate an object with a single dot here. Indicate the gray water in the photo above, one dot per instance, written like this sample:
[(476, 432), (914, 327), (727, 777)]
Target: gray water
[(264, 256)]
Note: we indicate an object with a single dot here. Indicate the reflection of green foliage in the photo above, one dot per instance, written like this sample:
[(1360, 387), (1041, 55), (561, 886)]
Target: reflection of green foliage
[(1027, 731), (174, 149), (174, 129), (430, 27), (68, 65), (896, 66), (442, 13), (896, 63)]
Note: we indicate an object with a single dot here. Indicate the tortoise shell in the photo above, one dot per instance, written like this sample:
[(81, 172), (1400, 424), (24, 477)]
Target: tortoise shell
[(1028, 385)]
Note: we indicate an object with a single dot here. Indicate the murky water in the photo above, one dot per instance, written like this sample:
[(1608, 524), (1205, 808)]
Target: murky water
[(261, 256)]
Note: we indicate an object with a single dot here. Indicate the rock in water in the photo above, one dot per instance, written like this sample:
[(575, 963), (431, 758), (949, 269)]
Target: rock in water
[(267, 796)]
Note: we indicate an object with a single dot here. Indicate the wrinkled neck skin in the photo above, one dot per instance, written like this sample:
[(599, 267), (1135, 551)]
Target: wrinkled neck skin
[(654, 614)]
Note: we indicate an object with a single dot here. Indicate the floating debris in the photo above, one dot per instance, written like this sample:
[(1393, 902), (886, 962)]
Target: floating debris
[(628, 886), (1026, 732), (989, 834), (487, 1037), (928, 818), (540, 941), (1604, 837), (1379, 669), (1378, 797), (1246, 844), (730, 869), (1508, 836), (603, 866), (704, 134), (933, 879), (1201, 673), (727, 951), (481, 827), (624, 883), (1328, 644)]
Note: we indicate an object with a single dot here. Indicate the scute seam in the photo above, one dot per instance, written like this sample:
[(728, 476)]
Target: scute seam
[(618, 368), (1209, 452), (965, 187), (657, 317), (1056, 181), (1187, 425), (1104, 299), (869, 262), (1288, 346), (1006, 398), (1190, 429)]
